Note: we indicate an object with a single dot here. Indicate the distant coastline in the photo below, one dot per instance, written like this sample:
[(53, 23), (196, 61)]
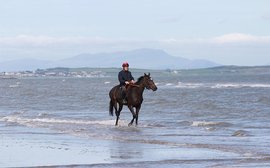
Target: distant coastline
[(87, 72)]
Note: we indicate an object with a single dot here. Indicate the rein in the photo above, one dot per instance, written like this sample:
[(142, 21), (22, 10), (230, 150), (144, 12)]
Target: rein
[(133, 85)]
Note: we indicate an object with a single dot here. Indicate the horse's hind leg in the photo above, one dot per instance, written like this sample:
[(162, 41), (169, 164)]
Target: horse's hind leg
[(117, 112), (117, 118)]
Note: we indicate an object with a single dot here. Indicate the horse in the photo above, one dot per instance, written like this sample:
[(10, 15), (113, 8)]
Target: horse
[(134, 94)]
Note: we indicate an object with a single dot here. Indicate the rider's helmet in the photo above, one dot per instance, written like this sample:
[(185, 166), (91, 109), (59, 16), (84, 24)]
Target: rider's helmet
[(125, 64)]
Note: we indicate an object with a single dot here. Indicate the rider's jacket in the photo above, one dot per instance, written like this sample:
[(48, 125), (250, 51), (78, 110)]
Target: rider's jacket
[(124, 76)]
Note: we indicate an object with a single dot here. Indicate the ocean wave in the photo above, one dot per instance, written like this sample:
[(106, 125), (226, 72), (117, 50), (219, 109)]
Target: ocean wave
[(181, 85), (41, 121), (241, 133), (213, 85), (45, 120), (14, 86), (240, 85), (169, 84), (210, 124), (190, 85)]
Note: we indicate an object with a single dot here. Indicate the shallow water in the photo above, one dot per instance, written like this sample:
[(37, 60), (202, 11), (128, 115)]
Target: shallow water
[(190, 121)]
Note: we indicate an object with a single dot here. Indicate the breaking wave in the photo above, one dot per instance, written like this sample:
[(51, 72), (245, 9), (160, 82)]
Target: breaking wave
[(210, 124), (241, 85), (213, 85), (42, 121)]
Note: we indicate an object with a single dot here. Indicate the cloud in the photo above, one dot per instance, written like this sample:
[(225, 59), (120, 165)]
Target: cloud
[(27, 40), (110, 44), (222, 49), (169, 19), (241, 38), (231, 38), (60, 47), (266, 16), (43, 41), (48, 41)]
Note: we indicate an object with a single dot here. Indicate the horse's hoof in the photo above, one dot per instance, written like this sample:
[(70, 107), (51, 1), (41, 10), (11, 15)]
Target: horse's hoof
[(129, 124)]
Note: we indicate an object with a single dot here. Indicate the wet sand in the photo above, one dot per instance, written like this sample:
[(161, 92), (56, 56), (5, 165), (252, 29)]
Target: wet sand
[(60, 150), (49, 150)]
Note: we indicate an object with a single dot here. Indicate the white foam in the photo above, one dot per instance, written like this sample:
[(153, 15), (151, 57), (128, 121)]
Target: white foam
[(13, 86), (181, 85), (41, 121), (169, 84), (260, 85), (202, 123), (213, 85), (218, 86), (189, 85), (240, 85), (208, 123)]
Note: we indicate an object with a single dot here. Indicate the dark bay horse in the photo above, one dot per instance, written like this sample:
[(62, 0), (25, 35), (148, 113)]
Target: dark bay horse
[(134, 97)]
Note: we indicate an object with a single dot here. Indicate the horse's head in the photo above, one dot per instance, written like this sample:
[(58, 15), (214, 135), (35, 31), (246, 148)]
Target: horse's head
[(149, 83)]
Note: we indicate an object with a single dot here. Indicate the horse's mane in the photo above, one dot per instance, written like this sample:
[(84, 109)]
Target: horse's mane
[(139, 80)]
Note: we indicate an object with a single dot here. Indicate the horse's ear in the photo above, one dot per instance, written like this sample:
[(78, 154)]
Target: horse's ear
[(144, 74), (148, 73)]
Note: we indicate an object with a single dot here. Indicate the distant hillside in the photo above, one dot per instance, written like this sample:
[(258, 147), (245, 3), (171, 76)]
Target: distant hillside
[(140, 58)]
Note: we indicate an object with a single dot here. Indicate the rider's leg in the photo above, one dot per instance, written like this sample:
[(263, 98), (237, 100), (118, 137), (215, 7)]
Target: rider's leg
[(124, 94)]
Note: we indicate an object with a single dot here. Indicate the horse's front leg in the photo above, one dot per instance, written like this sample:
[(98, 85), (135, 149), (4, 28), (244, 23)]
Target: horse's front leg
[(134, 115), (137, 113)]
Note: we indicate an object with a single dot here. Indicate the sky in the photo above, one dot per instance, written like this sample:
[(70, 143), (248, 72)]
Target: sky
[(228, 32)]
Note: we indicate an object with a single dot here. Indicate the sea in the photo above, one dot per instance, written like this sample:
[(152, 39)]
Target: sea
[(193, 120)]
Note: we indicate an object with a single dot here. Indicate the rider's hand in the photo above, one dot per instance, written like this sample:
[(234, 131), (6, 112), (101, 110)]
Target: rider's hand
[(132, 81), (126, 82)]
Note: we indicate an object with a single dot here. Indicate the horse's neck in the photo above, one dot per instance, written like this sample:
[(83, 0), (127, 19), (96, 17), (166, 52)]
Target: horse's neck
[(141, 88)]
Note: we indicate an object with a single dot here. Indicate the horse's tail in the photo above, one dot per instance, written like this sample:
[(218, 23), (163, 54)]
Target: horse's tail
[(111, 108)]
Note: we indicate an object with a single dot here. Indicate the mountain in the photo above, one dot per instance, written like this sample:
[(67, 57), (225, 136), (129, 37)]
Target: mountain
[(140, 58)]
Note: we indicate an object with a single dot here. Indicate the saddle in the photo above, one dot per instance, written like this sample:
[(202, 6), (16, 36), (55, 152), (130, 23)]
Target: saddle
[(124, 90)]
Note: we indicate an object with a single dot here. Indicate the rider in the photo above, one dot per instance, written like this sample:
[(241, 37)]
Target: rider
[(125, 77)]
